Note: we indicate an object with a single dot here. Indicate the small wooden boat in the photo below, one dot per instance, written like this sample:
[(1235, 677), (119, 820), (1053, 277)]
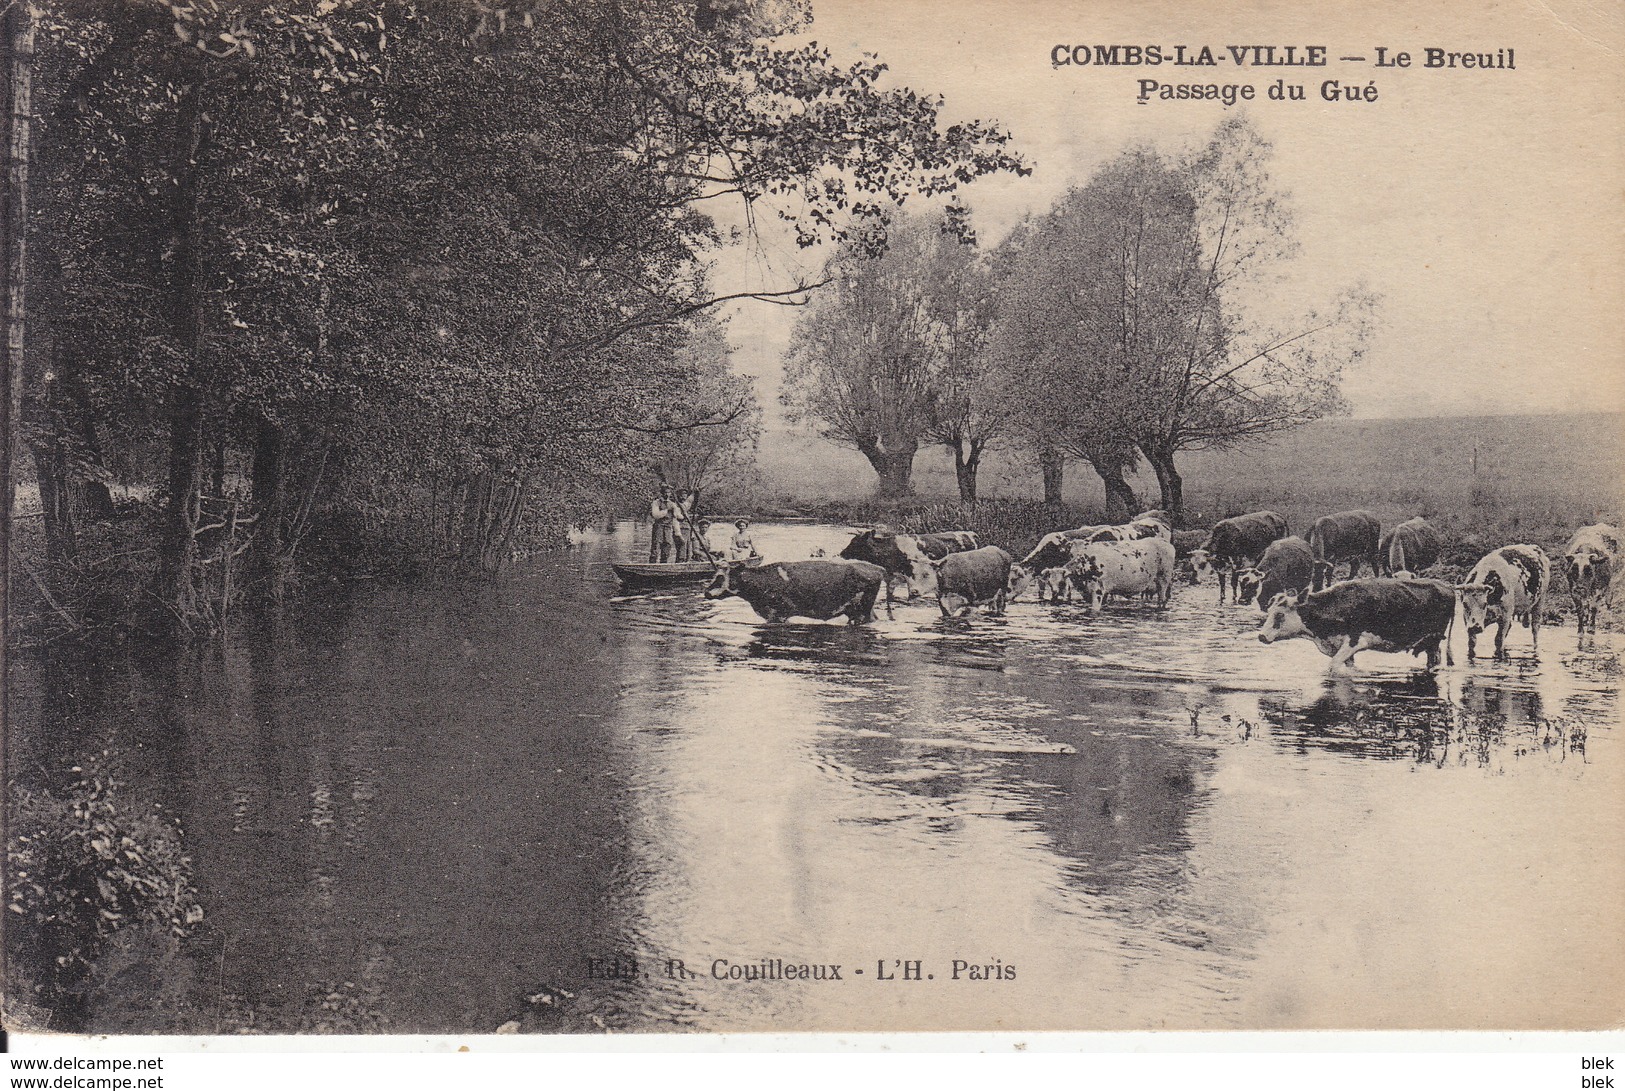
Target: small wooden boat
[(656, 575)]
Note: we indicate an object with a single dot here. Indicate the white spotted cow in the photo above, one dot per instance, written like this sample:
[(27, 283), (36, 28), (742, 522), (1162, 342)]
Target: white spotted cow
[(1059, 547), (1591, 565), (1505, 586), (1144, 567)]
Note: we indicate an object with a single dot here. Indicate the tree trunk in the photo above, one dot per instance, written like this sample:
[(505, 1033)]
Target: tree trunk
[(1052, 464), (1168, 480), (57, 507), (1121, 503), (268, 566), (185, 306), (967, 460), (894, 464), (97, 498), (180, 530), (896, 478), (217, 476)]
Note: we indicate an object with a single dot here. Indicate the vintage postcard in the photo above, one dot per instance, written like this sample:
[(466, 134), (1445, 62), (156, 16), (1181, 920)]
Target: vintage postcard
[(580, 517)]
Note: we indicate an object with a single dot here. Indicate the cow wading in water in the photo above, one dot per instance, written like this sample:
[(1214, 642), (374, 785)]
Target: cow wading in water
[(1287, 565), (1236, 544), (1507, 585), (977, 577), (1383, 615), (1058, 548), (908, 557), (1144, 567), (1352, 536), (815, 589), (1591, 564)]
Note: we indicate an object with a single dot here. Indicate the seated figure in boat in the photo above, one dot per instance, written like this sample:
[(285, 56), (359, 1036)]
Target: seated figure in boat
[(704, 541), (741, 548)]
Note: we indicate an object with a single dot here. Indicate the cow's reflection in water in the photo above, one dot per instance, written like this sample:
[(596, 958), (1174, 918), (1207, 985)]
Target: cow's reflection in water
[(971, 643), (1419, 716), (820, 645)]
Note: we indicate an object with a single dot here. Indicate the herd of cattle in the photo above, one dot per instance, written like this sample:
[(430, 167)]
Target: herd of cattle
[(1292, 579)]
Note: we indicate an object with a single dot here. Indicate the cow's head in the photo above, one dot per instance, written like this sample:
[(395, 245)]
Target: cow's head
[(1052, 582), (725, 582), (1201, 565), (1248, 581), (1085, 575), (1478, 602), (1282, 621), (1586, 570), (870, 544), (922, 570), (1020, 580)]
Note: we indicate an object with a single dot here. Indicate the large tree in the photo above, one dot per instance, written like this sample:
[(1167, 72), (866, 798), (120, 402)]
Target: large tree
[(1213, 369), (882, 359), (1059, 400), (426, 261), (705, 436), (970, 414), (1141, 304)]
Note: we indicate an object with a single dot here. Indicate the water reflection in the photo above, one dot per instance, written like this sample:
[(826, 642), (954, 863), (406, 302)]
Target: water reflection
[(435, 810)]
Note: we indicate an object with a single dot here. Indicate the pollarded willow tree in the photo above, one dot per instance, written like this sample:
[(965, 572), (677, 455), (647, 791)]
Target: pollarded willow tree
[(971, 417), (887, 357), (1060, 399), (1136, 301)]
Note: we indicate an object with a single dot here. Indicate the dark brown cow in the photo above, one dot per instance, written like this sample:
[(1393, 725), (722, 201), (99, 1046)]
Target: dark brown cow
[(1383, 615), (1411, 547), (1352, 536), (815, 589), (977, 577), (1234, 544), (1287, 565), (907, 557)]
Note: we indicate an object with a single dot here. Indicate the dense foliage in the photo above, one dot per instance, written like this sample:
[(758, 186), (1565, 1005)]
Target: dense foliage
[(434, 269), (83, 865)]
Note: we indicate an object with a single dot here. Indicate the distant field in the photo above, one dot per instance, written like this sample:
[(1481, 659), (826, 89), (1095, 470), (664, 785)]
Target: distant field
[(1535, 475)]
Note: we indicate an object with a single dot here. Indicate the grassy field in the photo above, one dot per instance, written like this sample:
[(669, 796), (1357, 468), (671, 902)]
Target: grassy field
[(1484, 481)]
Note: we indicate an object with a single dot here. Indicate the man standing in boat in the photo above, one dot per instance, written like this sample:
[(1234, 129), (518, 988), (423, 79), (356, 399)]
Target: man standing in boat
[(663, 514)]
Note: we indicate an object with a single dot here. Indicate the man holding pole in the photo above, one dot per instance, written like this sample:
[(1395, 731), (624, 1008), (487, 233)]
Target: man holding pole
[(662, 527)]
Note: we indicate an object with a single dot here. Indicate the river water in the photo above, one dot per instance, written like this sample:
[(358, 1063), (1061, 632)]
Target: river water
[(524, 803)]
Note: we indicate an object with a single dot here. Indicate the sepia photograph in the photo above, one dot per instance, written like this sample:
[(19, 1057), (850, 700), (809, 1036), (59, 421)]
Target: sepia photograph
[(715, 517)]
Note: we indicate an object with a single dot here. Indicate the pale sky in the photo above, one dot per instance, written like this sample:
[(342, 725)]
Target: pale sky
[(1483, 205)]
